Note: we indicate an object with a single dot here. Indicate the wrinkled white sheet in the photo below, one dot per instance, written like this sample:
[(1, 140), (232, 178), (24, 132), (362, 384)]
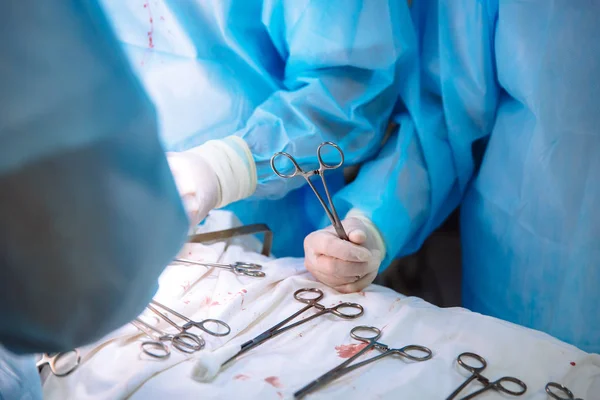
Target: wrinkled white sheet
[(113, 368)]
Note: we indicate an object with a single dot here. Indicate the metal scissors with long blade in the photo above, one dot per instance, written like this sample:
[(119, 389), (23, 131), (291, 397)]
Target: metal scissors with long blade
[(410, 352), (202, 325), (311, 302), (499, 385), (239, 268), (183, 341)]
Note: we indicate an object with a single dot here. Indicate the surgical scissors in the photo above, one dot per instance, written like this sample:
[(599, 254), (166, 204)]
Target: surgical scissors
[(311, 302), (55, 364), (498, 385), (181, 329), (149, 347), (183, 341), (408, 352), (189, 324), (239, 268), (562, 389), (331, 214)]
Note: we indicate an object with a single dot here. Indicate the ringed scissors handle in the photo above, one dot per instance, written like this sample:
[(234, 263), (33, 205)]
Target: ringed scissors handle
[(371, 342), (330, 211), (154, 348), (560, 388), (240, 268), (313, 302), (498, 385), (182, 341), (196, 324), (314, 295), (53, 360)]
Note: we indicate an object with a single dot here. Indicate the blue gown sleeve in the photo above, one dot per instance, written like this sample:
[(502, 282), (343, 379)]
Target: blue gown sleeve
[(90, 212), (341, 62), (420, 175)]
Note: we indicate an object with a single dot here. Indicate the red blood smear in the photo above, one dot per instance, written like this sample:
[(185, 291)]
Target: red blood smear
[(215, 303), (348, 350), (394, 304), (244, 291), (280, 395), (151, 31), (273, 381), (573, 363), (241, 377)]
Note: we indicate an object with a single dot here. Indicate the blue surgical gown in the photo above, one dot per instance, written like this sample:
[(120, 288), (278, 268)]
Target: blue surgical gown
[(283, 75), (89, 211), (501, 114)]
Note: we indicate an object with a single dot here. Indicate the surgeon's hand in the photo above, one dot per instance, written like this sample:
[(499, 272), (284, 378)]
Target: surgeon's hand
[(345, 266), (197, 183)]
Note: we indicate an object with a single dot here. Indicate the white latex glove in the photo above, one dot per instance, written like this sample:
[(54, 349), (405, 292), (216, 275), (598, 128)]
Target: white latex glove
[(197, 183), (345, 266)]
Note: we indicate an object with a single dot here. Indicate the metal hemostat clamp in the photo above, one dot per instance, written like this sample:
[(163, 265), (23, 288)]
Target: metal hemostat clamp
[(234, 232)]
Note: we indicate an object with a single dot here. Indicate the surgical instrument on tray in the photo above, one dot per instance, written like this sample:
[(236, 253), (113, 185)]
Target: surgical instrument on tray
[(498, 385), (563, 391), (175, 325), (71, 358), (331, 214), (410, 352), (216, 236), (182, 341), (239, 268), (311, 302), (202, 325), (154, 348)]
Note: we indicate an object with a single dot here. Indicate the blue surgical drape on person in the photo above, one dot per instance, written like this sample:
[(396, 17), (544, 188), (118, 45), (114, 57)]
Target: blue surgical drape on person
[(501, 117), (283, 75), (89, 211)]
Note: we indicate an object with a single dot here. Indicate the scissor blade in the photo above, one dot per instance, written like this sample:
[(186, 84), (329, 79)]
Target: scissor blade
[(335, 373), (249, 345), (461, 387), (272, 332)]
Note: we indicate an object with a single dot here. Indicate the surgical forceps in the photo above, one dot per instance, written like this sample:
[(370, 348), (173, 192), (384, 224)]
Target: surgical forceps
[(311, 302), (55, 364), (239, 268), (189, 324), (183, 341), (331, 214), (409, 352), (562, 389), (498, 385)]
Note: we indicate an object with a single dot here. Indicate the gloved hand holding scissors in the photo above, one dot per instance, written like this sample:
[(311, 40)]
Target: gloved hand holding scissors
[(345, 256), (347, 266)]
